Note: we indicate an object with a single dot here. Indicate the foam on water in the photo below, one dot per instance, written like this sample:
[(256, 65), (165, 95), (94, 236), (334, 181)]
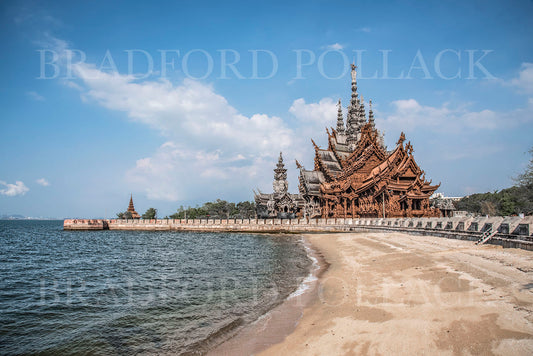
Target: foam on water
[(311, 277)]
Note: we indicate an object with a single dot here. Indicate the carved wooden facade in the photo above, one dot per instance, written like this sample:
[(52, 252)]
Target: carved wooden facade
[(376, 183), (357, 177)]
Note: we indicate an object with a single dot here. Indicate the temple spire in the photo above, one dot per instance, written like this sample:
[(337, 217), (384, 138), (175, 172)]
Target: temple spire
[(280, 177), (362, 113), (371, 114), (354, 99), (340, 120), (352, 121), (131, 209), (130, 206)]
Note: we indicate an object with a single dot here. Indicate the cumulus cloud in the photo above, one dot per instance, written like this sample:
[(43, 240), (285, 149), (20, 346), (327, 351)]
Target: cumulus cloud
[(450, 132), (525, 78), (11, 190), (177, 172), (322, 113), (205, 132), (209, 141), (312, 120), (409, 114), (192, 111), (43, 182), (212, 149)]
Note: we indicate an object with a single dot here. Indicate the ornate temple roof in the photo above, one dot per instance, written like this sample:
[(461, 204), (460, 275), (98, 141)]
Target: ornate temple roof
[(356, 163)]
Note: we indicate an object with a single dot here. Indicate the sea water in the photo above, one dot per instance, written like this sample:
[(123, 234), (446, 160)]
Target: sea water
[(137, 292)]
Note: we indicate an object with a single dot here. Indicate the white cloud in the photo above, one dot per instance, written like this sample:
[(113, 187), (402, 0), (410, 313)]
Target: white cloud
[(191, 111), (312, 120), (210, 143), (525, 78), (43, 182), (12, 190), (176, 172), (323, 113), (336, 46), (452, 133), (213, 151), (409, 114), (209, 130), (35, 96), (365, 29)]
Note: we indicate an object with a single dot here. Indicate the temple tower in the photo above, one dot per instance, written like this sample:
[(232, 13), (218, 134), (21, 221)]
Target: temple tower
[(131, 209), (280, 183)]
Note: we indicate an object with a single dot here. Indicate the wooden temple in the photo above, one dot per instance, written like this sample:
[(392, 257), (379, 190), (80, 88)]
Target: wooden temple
[(356, 176)]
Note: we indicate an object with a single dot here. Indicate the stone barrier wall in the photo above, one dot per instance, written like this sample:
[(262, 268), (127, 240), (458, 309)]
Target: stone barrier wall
[(512, 231)]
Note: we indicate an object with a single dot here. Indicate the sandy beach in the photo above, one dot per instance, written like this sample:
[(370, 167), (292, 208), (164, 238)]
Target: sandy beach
[(401, 294)]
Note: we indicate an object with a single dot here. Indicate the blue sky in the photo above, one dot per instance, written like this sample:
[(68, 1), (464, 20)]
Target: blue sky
[(455, 76)]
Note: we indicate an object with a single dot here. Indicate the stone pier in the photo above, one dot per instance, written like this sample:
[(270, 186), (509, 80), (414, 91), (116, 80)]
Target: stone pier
[(514, 232)]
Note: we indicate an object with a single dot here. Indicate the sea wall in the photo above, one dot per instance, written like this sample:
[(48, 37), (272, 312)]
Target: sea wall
[(513, 231)]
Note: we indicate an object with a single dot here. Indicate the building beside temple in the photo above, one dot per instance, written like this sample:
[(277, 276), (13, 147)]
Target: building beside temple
[(355, 176), (280, 204), (444, 204)]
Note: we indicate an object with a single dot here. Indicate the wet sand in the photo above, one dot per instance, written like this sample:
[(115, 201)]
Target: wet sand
[(273, 327), (392, 293)]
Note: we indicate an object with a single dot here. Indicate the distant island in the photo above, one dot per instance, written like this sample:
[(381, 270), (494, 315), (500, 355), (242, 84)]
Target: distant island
[(22, 217)]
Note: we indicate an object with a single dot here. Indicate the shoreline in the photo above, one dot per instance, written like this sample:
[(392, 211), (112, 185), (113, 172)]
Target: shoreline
[(393, 293), (276, 324)]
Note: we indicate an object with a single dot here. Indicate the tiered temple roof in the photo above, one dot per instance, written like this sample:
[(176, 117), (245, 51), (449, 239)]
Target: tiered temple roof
[(131, 209), (355, 176)]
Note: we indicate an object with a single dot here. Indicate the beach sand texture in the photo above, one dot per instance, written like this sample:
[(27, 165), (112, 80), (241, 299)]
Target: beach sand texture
[(392, 293)]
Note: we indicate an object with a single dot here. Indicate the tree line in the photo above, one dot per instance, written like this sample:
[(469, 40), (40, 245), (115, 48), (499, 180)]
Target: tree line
[(511, 201), (218, 209)]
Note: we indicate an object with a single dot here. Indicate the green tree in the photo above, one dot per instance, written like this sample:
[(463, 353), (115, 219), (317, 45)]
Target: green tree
[(509, 201), (488, 208), (218, 209), (150, 214), (246, 210), (124, 215)]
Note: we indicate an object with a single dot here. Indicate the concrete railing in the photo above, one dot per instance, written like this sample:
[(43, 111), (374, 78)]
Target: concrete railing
[(511, 231)]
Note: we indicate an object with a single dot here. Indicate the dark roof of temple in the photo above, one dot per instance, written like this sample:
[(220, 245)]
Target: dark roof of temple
[(310, 181), (331, 162)]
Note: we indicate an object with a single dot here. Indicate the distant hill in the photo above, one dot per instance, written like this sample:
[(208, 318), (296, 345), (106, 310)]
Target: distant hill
[(511, 201)]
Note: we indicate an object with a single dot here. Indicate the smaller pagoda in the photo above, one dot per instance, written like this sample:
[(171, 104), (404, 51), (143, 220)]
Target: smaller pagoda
[(280, 204), (131, 209)]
